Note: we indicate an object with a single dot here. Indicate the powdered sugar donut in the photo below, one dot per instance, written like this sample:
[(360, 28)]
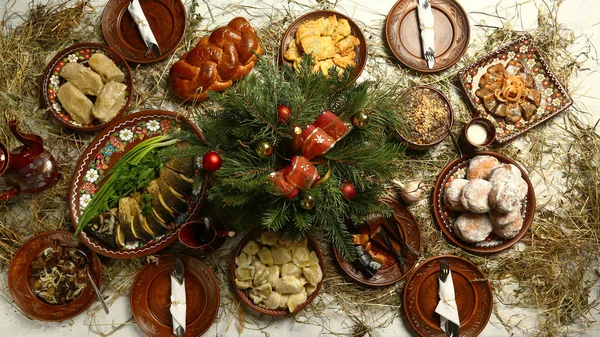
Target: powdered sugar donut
[(503, 219), (475, 196), (511, 230), (452, 194), (505, 172), (504, 196), (522, 190), (472, 227), (481, 167)]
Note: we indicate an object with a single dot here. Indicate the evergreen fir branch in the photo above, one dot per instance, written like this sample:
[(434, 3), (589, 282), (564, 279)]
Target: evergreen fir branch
[(276, 218), (184, 151), (341, 239)]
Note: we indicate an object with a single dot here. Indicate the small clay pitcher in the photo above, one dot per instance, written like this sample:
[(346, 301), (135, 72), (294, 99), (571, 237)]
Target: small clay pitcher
[(28, 168)]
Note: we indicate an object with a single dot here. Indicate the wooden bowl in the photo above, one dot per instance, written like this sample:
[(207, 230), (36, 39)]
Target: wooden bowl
[(444, 217), (50, 82), (361, 51), (416, 146), (243, 294)]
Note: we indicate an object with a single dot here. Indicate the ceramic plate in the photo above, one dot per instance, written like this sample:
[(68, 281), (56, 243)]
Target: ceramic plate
[(151, 291), (243, 294), (167, 19), (20, 290), (473, 297), (101, 155), (51, 81), (390, 273), (554, 98), (445, 217), (361, 50), (452, 31)]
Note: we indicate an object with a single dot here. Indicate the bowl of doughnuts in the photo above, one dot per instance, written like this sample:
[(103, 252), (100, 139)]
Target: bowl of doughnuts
[(483, 202), (274, 275)]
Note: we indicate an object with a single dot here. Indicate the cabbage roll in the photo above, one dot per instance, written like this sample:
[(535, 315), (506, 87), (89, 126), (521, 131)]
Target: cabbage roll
[(77, 105), (110, 101), (106, 68), (84, 78)]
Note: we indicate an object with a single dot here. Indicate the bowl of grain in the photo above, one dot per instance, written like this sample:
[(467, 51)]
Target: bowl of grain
[(428, 116)]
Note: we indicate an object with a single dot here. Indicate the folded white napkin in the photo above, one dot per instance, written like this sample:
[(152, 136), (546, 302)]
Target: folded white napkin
[(426, 25), (135, 9), (178, 304), (447, 308)]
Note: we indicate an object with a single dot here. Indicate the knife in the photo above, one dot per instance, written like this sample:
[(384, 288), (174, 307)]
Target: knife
[(427, 32)]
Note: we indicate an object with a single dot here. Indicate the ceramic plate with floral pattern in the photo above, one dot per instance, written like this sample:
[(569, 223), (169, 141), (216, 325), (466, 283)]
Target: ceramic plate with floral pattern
[(51, 81), (103, 152), (554, 98)]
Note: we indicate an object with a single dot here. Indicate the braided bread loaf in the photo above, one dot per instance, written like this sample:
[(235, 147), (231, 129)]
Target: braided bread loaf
[(226, 55)]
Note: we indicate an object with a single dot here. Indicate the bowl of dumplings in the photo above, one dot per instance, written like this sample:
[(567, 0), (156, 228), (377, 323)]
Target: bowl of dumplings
[(86, 86), (275, 275), (483, 202)]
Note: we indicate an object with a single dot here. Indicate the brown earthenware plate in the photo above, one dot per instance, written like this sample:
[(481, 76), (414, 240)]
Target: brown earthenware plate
[(451, 25), (24, 297), (151, 291), (244, 294), (391, 272), (473, 297), (554, 98), (445, 217), (167, 19), (361, 50), (51, 81), (103, 152)]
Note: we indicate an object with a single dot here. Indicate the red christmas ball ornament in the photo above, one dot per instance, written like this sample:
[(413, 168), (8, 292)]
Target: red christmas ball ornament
[(283, 113), (348, 190), (211, 161)]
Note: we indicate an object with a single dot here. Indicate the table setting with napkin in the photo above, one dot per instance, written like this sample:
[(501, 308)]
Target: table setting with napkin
[(178, 299), (447, 307)]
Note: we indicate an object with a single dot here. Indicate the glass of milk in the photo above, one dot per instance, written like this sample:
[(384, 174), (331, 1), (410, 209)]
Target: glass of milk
[(479, 132)]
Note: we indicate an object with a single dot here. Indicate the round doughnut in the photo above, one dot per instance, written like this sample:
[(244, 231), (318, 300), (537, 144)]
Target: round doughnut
[(452, 194), (503, 219), (505, 172), (481, 167), (475, 196), (473, 227), (504, 196), (511, 230), (523, 188)]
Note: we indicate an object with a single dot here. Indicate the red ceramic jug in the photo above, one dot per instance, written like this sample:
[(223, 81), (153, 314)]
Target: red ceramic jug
[(29, 168)]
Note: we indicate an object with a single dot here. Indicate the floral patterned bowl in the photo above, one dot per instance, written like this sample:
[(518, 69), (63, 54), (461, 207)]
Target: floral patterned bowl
[(51, 81)]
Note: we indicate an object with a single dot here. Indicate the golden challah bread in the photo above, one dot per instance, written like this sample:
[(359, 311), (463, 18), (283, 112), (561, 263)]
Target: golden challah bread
[(226, 55)]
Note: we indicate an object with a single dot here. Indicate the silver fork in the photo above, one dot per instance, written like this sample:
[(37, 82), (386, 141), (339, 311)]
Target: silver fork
[(177, 272), (452, 329)]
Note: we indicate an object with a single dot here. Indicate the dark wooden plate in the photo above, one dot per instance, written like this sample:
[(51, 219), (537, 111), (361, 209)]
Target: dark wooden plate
[(243, 294), (361, 51), (103, 152), (50, 81), (392, 273), (554, 98), (473, 297), (20, 290), (445, 217), (151, 291), (452, 31), (167, 19)]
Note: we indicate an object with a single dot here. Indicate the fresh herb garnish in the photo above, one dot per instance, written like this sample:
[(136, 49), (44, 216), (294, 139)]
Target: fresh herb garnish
[(146, 203)]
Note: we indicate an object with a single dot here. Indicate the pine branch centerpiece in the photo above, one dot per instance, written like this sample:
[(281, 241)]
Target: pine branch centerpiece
[(294, 150)]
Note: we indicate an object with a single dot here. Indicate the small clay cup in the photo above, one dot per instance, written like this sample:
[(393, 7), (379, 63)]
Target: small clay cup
[(471, 145), (197, 235)]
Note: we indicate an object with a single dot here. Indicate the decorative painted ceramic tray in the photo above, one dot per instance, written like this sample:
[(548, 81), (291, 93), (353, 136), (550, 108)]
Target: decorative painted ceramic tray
[(103, 152), (554, 98)]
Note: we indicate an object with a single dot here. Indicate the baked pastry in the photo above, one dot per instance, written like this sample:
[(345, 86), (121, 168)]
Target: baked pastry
[(452, 194), (481, 167), (503, 219), (504, 196), (511, 230), (505, 172), (474, 196), (76, 103), (472, 227), (227, 55), (84, 78), (523, 188)]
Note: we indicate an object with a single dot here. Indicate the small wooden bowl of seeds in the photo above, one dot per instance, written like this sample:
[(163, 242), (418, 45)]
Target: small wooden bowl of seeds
[(429, 117)]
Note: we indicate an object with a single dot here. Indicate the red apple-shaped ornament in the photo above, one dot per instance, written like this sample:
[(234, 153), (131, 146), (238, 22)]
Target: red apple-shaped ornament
[(211, 161), (283, 113), (348, 190)]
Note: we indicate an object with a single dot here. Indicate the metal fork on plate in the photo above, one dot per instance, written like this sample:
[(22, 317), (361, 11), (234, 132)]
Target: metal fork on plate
[(452, 329), (178, 273)]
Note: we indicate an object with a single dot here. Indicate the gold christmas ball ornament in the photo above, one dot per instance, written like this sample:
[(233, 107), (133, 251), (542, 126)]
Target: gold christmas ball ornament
[(361, 121), (307, 202), (264, 149)]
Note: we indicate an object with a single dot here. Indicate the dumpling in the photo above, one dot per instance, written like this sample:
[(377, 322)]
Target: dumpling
[(260, 293), (251, 248), (273, 300), (106, 68), (265, 255), (289, 285), (291, 269), (313, 258), (300, 256), (261, 276), (110, 101), (295, 300), (243, 260), (300, 243), (310, 289), (77, 105), (283, 298), (269, 238), (243, 285), (273, 274), (245, 273), (84, 78), (313, 274), (281, 256)]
